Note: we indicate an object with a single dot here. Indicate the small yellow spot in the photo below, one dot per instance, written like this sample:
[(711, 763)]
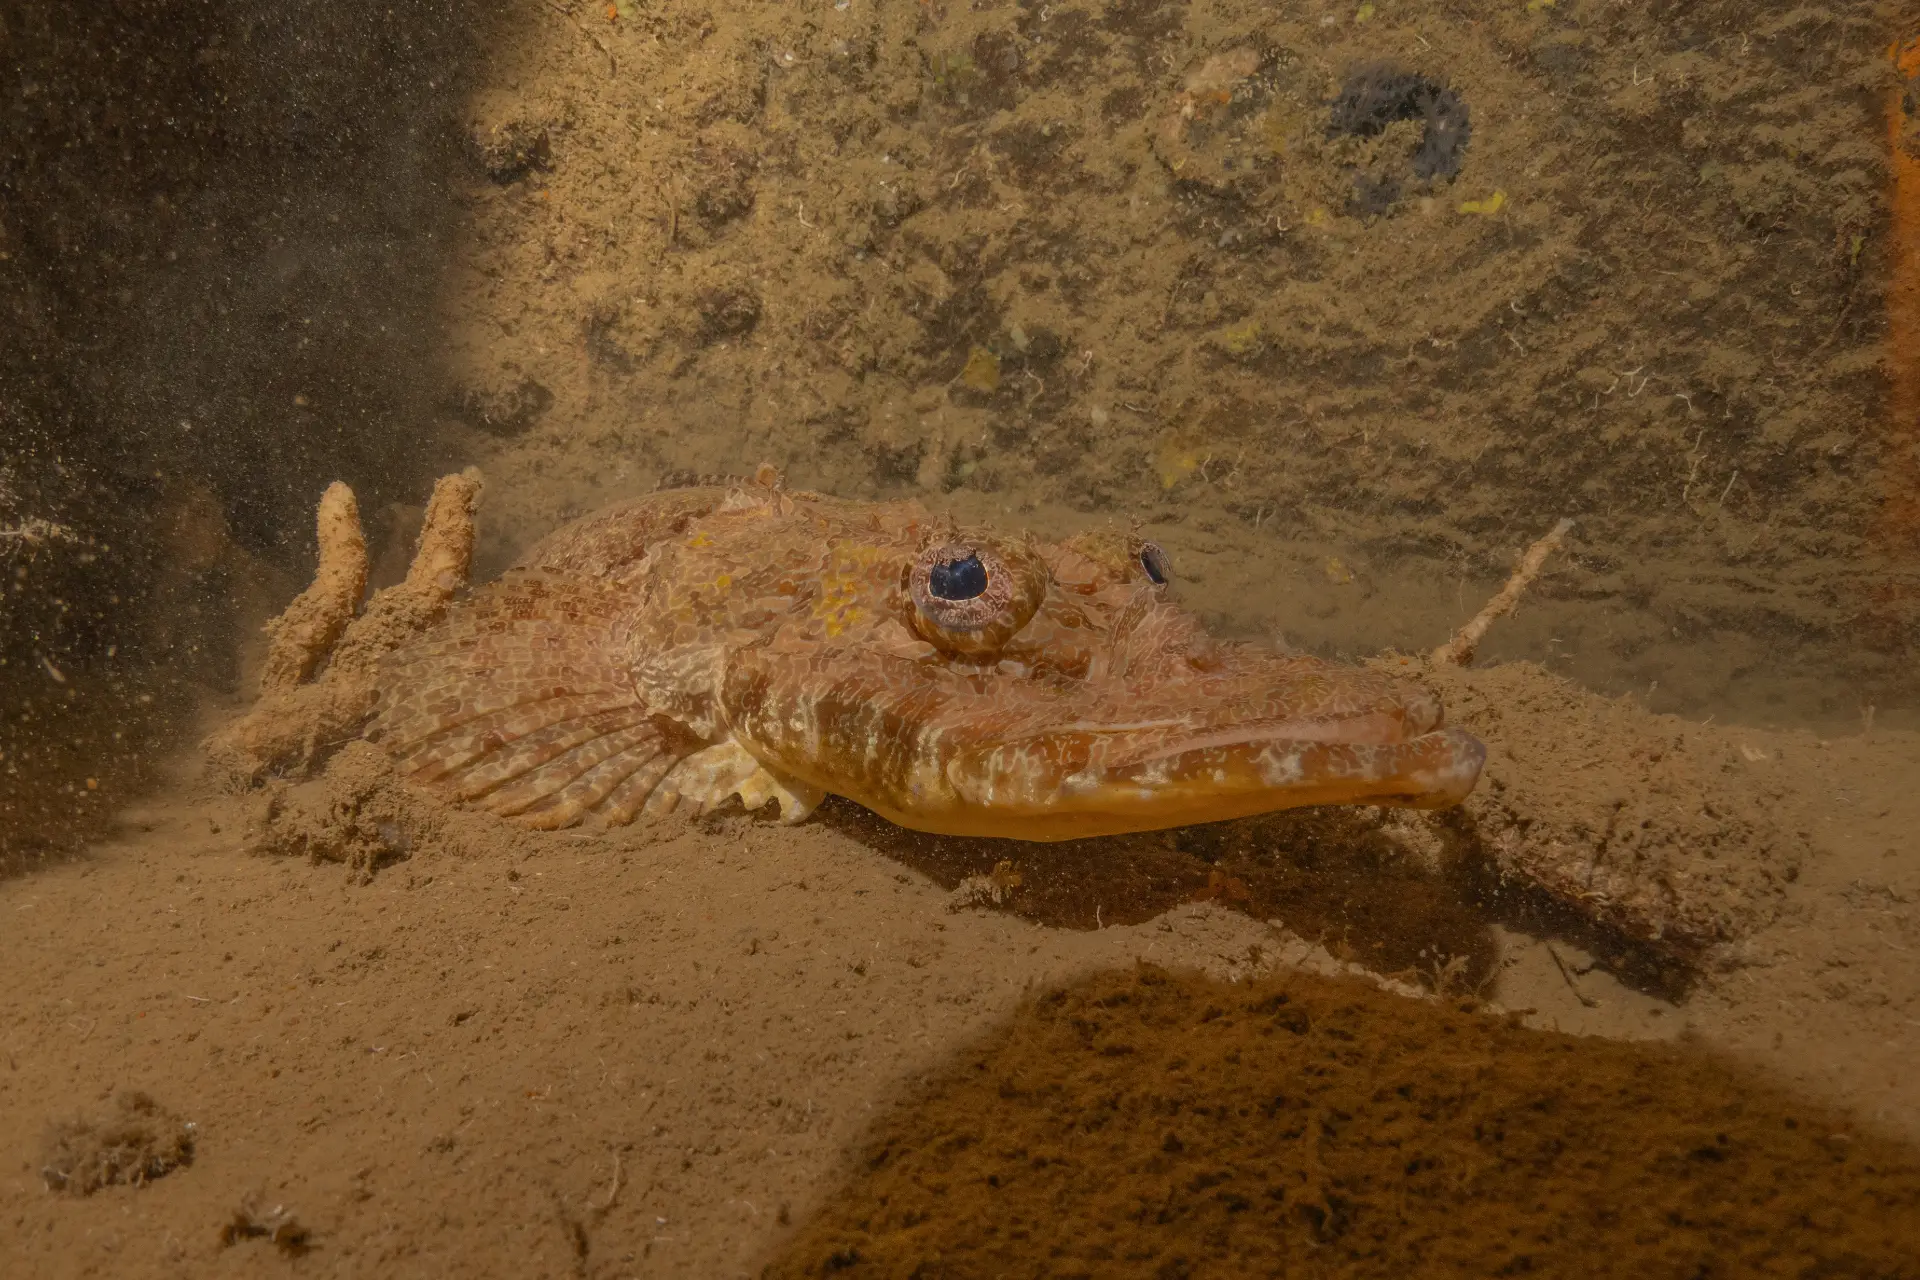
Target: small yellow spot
[(838, 605), (1317, 217), (1535, 6), (1337, 572), (1363, 14), (1241, 340), (700, 539), (843, 620), (982, 372), (1492, 204), (1175, 461), (722, 582)]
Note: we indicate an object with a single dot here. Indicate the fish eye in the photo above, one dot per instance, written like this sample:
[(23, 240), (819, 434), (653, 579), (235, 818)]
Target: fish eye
[(963, 579), (1154, 561), (973, 596)]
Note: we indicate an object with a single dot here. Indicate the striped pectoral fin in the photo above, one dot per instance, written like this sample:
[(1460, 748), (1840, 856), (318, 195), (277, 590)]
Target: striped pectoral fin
[(520, 704), (472, 758), (519, 656), (562, 790)]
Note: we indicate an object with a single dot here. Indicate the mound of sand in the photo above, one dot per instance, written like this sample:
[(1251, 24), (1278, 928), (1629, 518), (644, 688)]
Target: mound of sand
[(1147, 1123)]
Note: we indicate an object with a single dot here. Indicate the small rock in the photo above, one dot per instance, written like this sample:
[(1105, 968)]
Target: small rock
[(727, 313), (507, 410), (138, 1142), (509, 151)]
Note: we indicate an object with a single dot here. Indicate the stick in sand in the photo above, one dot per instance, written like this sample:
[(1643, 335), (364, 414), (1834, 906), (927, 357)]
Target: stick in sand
[(1458, 652)]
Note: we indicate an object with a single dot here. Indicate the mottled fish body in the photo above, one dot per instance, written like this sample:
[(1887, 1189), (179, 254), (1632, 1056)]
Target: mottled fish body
[(699, 644)]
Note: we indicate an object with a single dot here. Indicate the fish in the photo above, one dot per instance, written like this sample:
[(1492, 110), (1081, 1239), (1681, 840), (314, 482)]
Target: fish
[(745, 640)]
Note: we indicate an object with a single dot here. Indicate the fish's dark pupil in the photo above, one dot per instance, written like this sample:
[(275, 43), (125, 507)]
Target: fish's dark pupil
[(1154, 561), (958, 579)]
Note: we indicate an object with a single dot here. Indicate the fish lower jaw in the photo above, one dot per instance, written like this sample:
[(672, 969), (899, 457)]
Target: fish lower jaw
[(1213, 784)]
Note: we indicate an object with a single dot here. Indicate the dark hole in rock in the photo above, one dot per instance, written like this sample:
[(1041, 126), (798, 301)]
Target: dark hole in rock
[(510, 151), (725, 193), (277, 1226), (727, 313), (502, 411), (1376, 94)]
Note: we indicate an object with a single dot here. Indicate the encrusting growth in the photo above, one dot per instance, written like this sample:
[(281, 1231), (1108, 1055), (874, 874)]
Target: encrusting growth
[(301, 638), (438, 572), (304, 705)]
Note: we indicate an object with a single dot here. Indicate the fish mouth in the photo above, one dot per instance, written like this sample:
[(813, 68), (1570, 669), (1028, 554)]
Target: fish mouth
[(1069, 784)]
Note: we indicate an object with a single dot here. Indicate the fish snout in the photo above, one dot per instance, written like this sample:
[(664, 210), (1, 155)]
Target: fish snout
[(1067, 785)]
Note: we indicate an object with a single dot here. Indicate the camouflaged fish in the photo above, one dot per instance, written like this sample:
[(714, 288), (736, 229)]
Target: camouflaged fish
[(695, 645)]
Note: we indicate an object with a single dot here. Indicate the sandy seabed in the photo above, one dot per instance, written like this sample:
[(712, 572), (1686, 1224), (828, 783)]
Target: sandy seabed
[(1005, 259)]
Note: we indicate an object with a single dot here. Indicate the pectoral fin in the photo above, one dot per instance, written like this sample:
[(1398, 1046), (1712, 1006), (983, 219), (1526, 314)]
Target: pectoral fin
[(710, 777)]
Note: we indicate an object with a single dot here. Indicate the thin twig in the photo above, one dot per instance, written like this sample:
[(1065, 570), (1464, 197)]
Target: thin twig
[(1580, 995), (613, 1191), (1458, 652)]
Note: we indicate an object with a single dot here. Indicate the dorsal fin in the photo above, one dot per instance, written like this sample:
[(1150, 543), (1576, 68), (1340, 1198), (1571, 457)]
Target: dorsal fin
[(607, 543)]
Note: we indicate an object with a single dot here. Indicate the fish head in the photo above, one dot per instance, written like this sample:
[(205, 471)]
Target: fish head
[(1004, 686)]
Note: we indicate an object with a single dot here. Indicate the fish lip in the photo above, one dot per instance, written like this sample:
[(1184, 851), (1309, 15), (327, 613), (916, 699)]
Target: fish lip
[(1371, 729), (1457, 772), (1073, 786)]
